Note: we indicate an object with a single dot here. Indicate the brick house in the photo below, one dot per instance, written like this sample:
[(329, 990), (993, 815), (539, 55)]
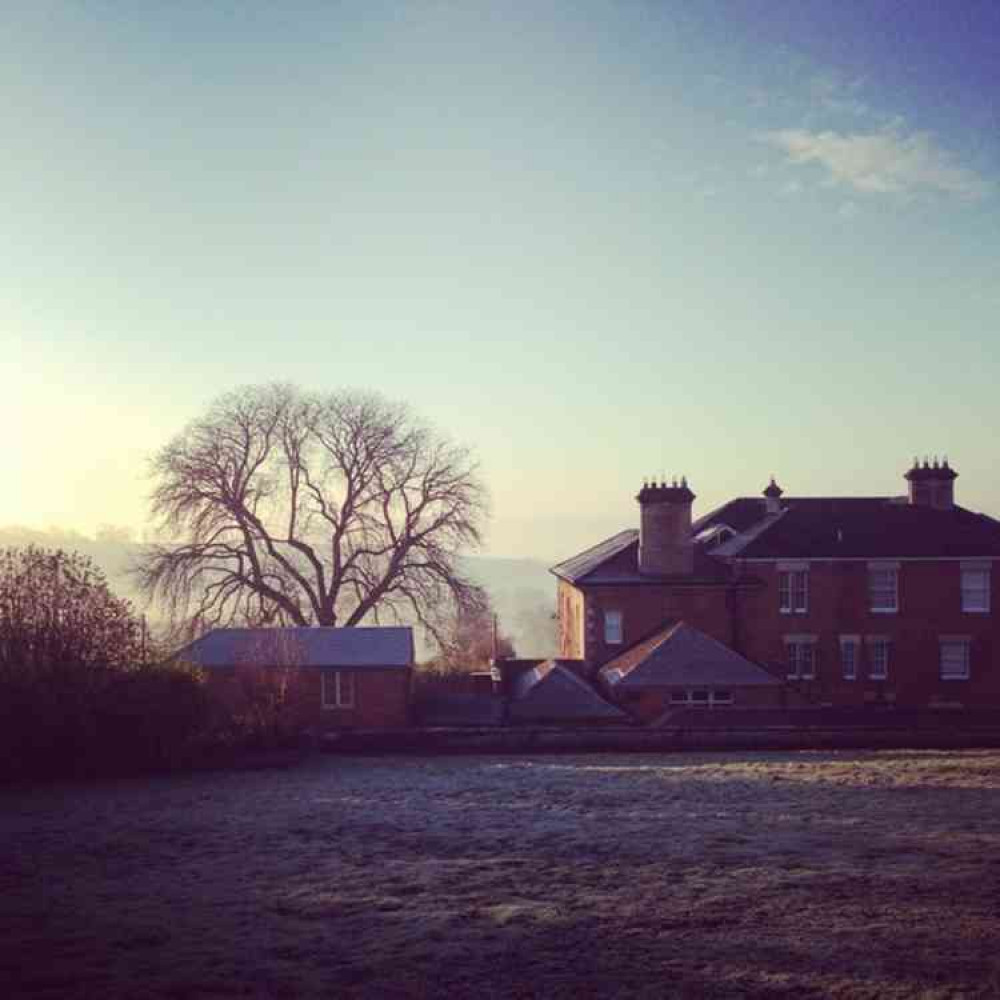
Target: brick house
[(848, 601), (334, 678)]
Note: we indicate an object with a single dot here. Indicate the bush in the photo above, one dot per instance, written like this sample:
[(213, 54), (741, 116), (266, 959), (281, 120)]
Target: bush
[(72, 722)]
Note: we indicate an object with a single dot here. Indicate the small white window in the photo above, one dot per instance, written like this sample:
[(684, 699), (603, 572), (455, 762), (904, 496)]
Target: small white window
[(801, 660), (849, 657), (883, 589), (954, 659), (793, 591), (701, 699), (976, 590), (338, 689), (878, 659), (613, 627)]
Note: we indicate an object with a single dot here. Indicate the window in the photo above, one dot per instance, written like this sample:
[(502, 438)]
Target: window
[(613, 627), (701, 699), (975, 589), (338, 689), (801, 659), (878, 659), (849, 657), (883, 588), (793, 591), (954, 659)]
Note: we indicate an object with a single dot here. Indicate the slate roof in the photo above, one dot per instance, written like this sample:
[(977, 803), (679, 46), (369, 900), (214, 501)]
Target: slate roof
[(372, 648), (805, 528), (577, 567), (553, 692), (680, 655), (868, 528), (616, 561)]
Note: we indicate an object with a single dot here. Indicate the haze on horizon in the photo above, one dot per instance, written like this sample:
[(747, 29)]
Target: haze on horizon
[(595, 242)]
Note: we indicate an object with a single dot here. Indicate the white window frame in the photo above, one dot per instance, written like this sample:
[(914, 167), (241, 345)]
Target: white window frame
[(801, 667), (849, 664), (793, 589), (715, 699), (332, 682), (888, 606), (877, 642), (976, 599), (954, 642), (614, 628)]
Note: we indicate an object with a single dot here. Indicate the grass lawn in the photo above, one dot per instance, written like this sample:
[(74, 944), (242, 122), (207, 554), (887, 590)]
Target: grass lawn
[(743, 874)]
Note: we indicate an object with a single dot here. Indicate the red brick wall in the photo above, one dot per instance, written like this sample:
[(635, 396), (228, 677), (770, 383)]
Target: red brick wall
[(645, 608), (750, 621), (929, 607), (381, 697), (651, 704)]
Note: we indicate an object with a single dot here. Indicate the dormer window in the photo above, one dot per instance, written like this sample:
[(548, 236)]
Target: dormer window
[(715, 535)]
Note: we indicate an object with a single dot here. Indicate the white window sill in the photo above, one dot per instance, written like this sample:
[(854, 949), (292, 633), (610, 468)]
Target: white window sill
[(948, 680), (884, 611), (975, 611)]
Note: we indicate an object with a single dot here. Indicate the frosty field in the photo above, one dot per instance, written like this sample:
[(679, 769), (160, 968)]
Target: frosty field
[(793, 874)]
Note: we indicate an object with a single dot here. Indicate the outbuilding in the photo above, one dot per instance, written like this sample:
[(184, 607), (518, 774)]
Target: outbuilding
[(335, 678)]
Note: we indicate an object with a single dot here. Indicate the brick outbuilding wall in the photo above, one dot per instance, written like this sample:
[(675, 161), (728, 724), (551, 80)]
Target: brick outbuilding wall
[(381, 696)]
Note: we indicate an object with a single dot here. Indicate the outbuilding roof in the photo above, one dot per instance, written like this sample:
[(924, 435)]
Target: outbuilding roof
[(553, 692), (372, 648), (681, 655)]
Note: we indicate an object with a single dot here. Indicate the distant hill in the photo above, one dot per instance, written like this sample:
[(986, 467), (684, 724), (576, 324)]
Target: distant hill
[(522, 590)]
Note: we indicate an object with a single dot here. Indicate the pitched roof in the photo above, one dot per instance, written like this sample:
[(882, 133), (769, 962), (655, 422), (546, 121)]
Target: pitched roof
[(616, 561), (867, 527), (578, 566), (302, 647), (553, 691), (805, 528), (681, 655)]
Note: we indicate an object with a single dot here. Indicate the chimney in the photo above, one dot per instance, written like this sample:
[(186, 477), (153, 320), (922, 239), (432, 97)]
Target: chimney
[(772, 498), (665, 546), (932, 485)]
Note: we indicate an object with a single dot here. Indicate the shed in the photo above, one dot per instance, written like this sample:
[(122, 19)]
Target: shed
[(337, 677)]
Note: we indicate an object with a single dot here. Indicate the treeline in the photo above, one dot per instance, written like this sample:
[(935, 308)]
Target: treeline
[(81, 691)]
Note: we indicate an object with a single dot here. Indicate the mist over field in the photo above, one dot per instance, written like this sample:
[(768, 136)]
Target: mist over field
[(522, 591)]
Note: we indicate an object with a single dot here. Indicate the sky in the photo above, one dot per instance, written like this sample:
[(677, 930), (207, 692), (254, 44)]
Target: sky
[(593, 241)]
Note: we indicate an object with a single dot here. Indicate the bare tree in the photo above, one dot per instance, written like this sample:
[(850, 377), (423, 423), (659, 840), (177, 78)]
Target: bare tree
[(471, 641), (282, 507)]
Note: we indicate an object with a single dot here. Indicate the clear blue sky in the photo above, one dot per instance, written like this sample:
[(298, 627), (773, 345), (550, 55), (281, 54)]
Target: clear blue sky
[(594, 241)]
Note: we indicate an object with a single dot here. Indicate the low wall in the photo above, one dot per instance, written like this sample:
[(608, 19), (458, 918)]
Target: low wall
[(940, 736)]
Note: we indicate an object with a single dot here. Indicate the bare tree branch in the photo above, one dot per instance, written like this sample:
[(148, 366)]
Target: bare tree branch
[(342, 508)]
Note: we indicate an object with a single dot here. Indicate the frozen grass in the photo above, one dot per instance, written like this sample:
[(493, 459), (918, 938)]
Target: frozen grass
[(797, 875)]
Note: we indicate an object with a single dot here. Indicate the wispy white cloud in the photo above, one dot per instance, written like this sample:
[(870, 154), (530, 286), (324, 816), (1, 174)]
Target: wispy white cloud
[(831, 92), (886, 161)]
